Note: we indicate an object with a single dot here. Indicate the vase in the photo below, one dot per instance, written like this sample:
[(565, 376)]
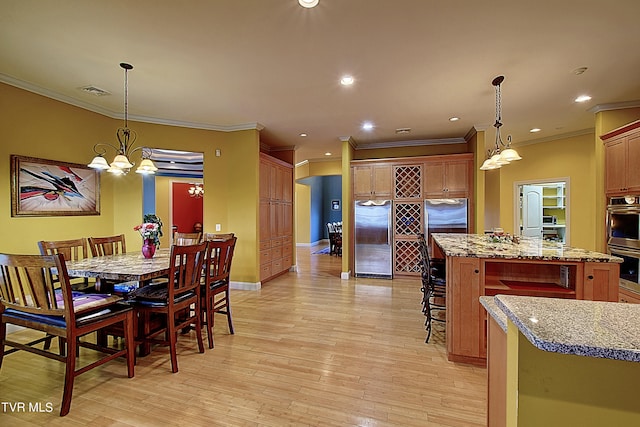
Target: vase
[(148, 248)]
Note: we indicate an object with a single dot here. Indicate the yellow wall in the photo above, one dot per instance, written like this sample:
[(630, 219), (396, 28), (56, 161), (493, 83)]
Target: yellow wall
[(573, 158), (347, 208), (303, 214), (37, 126)]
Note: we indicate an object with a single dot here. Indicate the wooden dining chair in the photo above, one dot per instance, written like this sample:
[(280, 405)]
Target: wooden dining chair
[(29, 298), (111, 245), (215, 290), (173, 301), (72, 250), (218, 236), (192, 237)]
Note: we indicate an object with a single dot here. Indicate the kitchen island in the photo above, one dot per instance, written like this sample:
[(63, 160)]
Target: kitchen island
[(477, 266), (562, 362)]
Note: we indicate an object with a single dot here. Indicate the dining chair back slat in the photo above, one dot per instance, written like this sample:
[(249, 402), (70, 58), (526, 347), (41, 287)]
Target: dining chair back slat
[(111, 245), (185, 238)]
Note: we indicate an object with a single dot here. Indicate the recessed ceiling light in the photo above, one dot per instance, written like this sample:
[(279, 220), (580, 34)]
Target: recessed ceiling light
[(583, 98), (534, 130), (454, 119), (303, 134), (308, 3), (327, 154), (347, 80), (367, 126)]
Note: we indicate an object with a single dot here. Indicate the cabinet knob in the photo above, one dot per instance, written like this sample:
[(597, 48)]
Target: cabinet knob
[(590, 277), (476, 271)]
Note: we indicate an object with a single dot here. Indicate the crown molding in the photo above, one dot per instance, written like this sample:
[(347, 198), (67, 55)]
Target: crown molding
[(554, 137), (411, 143), (38, 90), (614, 106)]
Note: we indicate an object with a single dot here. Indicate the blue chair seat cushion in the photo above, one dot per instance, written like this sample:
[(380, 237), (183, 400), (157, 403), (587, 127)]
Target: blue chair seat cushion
[(157, 295), (60, 321), (84, 301)]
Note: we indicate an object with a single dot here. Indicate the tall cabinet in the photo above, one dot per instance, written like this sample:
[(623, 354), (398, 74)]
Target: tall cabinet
[(622, 157), (408, 181), (276, 217)]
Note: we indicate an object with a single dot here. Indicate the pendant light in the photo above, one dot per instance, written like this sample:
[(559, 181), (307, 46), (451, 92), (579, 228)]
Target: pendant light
[(121, 163), (502, 154)]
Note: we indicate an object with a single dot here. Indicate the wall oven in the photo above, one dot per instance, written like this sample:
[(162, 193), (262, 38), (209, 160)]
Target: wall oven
[(623, 229), (623, 222), (629, 267)]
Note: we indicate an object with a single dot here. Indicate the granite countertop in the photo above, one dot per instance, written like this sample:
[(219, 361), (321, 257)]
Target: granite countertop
[(587, 328), (489, 303), (479, 246)]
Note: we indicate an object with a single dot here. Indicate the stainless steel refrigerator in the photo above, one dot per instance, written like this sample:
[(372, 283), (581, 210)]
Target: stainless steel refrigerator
[(373, 240), (445, 216)]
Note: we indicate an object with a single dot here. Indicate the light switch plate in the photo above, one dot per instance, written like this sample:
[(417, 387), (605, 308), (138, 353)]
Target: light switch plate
[(218, 227)]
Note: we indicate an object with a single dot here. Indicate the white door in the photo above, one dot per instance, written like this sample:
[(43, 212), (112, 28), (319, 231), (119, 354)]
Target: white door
[(532, 210)]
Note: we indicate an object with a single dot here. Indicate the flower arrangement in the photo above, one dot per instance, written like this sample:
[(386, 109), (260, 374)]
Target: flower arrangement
[(150, 229)]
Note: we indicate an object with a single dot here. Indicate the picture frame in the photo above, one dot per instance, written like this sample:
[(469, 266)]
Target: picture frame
[(41, 187), (335, 205)]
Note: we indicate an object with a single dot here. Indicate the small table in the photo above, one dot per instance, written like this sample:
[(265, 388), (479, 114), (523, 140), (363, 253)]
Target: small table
[(127, 267)]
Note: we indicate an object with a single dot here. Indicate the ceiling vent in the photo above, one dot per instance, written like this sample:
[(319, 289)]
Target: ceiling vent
[(95, 91), (401, 131)]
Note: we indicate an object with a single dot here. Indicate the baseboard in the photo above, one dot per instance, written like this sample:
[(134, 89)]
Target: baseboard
[(345, 275), (245, 286), (318, 242)]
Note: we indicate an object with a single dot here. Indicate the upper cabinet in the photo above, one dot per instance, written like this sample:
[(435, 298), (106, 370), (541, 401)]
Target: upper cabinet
[(448, 178), (622, 156), (372, 181)]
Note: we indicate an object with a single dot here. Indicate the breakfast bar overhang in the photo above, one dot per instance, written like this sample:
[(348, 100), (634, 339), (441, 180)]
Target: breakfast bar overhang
[(478, 265)]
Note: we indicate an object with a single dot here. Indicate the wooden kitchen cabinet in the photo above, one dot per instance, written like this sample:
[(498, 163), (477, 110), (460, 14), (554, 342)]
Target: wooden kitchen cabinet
[(276, 217), (448, 178), (372, 181), (627, 296), (622, 156)]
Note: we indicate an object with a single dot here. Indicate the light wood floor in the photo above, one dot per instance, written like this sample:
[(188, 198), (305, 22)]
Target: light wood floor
[(309, 350)]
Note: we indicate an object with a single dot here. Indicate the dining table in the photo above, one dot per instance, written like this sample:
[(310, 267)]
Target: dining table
[(127, 267)]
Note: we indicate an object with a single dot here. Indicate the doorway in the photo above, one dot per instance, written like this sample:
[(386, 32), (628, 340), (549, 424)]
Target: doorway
[(542, 209)]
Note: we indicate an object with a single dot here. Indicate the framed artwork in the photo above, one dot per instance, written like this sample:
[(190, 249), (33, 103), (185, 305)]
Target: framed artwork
[(42, 187), (335, 205)]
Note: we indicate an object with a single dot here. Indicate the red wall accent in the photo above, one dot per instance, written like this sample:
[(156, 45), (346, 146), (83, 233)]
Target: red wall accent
[(187, 210)]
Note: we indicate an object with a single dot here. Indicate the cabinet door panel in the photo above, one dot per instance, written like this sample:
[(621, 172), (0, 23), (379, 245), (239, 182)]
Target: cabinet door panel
[(382, 181), (601, 281), (362, 181), (434, 179), (615, 161), (457, 176), (465, 317), (633, 160)]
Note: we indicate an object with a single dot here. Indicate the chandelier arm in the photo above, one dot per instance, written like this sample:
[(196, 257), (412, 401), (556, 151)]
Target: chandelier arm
[(101, 148)]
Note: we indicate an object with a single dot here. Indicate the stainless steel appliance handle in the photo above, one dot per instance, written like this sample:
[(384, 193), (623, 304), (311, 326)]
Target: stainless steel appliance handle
[(627, 252)]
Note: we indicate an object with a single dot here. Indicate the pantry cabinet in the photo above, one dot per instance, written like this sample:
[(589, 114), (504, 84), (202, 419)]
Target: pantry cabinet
[(622, 157), (276, 217)]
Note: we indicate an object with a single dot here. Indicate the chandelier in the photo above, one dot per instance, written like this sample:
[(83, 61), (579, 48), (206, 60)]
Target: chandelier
[(121, 164), (502, 154), (196, 191)]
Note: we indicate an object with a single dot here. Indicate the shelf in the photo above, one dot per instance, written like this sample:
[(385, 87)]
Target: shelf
[(538, 289)]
